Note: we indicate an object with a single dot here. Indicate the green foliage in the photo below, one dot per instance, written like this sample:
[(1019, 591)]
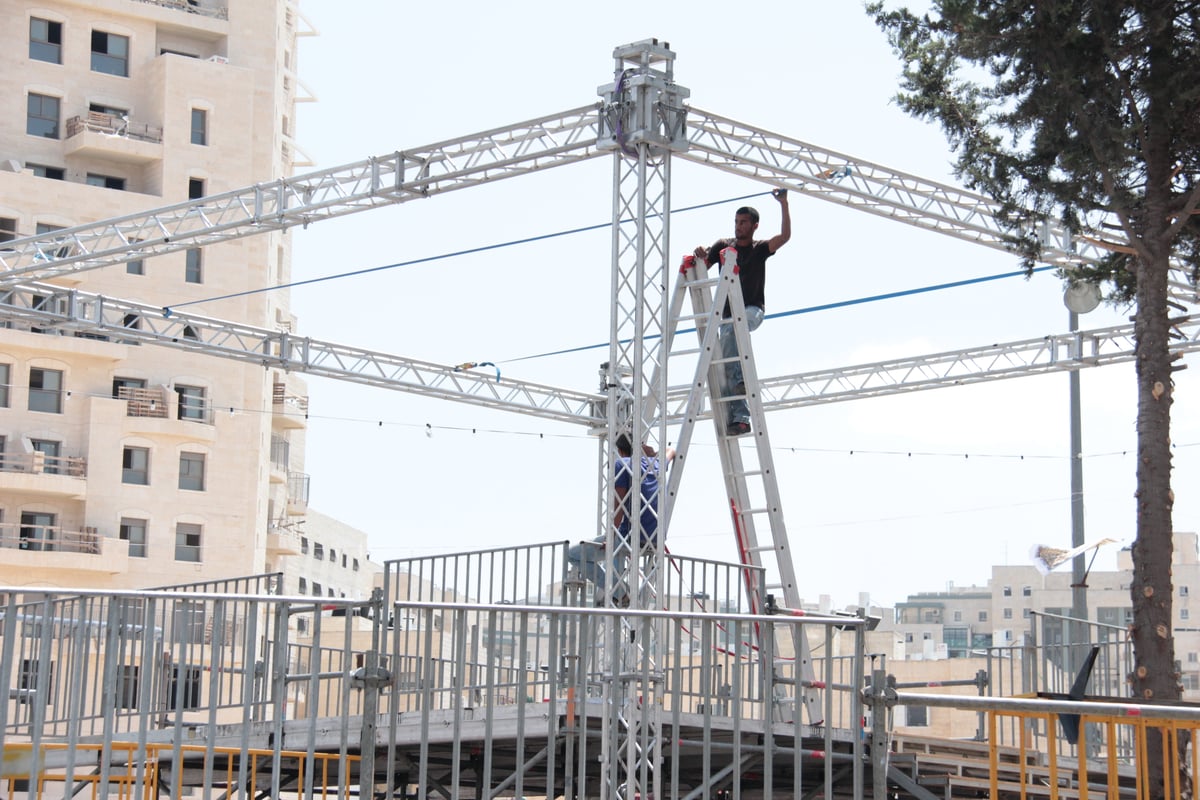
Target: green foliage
[(1086, 112)]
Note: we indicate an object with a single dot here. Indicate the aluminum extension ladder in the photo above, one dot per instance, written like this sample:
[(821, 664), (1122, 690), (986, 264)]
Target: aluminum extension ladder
[(746, 462)]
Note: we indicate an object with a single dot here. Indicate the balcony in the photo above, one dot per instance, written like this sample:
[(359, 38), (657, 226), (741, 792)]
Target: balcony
[(144, 402), (297, 503), (280, 458), (291, 410), (39, 474), (204, 8), (36, 548), (114, 138), (283, 541)]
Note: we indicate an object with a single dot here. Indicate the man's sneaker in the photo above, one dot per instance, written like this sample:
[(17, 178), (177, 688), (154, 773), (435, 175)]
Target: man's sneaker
[(738, 428)]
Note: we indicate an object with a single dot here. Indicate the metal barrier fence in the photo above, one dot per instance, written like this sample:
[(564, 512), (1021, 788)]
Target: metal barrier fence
[(174, 688)]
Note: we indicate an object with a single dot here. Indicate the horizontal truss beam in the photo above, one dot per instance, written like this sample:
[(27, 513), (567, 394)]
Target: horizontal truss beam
[(483, 157), (782, 161), (52, 309)]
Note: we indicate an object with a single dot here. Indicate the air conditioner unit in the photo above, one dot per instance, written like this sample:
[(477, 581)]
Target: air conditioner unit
[(218, 59)]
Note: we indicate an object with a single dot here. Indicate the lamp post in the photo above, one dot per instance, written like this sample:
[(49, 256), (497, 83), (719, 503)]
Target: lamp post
[(1080, 297)]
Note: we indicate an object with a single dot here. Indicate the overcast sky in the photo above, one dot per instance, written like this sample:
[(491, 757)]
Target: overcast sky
[(883, 496)]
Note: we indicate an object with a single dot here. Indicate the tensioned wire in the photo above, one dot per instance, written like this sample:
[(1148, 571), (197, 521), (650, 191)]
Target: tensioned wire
[(167, 310)]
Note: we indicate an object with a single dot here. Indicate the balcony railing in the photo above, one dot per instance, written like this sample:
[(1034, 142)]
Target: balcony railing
[(297, 492), (288, 403), (38, 463), (15, 536), (280, 452), (193, 7), (144, 402), (111, 124)]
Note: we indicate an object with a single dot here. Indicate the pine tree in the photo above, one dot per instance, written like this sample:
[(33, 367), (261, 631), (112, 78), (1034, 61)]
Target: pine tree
[(1086, 112)]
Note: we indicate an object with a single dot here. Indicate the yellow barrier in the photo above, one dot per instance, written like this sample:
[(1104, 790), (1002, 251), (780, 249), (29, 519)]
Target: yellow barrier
[(1110, 776), (18, 765)]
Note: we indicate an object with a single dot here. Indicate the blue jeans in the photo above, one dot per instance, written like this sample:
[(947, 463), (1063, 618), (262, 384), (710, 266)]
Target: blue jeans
[(738, 411), (589, 559)]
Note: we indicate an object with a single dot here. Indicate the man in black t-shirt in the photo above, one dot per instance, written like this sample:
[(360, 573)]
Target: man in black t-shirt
[(752, 267)]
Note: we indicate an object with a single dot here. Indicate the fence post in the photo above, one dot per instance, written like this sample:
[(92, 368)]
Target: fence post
[(879, 697)]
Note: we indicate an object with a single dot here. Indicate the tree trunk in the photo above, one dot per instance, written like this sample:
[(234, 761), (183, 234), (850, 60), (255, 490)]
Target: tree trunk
[(1155, 677)]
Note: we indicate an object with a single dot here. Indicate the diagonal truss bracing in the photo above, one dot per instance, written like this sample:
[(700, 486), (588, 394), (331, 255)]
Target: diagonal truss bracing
[(734, 147), (1054, 353), (517, 149), (53, 310)]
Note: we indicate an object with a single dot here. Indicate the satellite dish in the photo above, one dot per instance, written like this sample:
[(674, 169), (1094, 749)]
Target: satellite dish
[(1081, 296)]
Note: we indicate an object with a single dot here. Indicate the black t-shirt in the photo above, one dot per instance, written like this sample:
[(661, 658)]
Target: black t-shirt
[(752, 267)]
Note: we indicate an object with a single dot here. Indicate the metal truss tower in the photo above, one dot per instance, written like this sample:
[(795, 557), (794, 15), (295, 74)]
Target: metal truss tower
[(642, 124)]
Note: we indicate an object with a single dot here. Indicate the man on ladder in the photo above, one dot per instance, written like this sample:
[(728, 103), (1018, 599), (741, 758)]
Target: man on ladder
[(752, 269)]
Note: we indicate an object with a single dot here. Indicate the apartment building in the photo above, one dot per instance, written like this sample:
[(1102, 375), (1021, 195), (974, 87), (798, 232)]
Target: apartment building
[(126, 465), (1021, 605)]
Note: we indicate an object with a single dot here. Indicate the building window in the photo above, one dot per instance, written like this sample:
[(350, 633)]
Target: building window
[(45, 40), (191, 471), (343, 560), (1183, 591), (42, 116), (1193, 658), (1027, 591), (356, 565), (333, 555), (1008, 613), (1007, 591), (105, 181), (8, 229), (983, 616), (187, 542), (908, 637), (958, 616), (51, 452), (184, 690), (304, 545), (316, 589), (127, 693), (129, 384), (193, 273), (45, 390), (135, 466), (1026, 613), (134, 532), (5, 383), (191, 402), (37, 530), (195, 188), (1184, 614), (926, 636), (188, 624), (318, 551), (199, 126), (110, 53), (43, 171), (916, 716), (303, 585), (28, 689)]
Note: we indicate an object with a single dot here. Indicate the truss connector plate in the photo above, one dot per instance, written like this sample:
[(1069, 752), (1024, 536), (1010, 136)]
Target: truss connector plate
[(643, 105)]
